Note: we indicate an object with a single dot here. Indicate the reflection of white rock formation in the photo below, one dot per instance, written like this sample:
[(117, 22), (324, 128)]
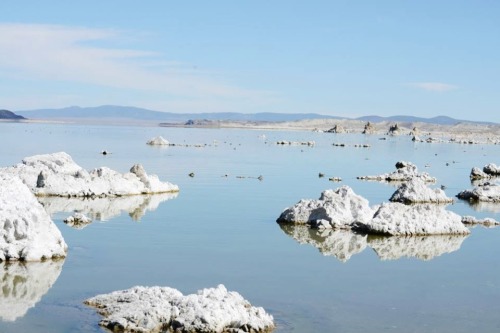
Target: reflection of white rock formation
[(26, 230), (404, 171), (334, 209), (420, 247), (102, 209), (341, 244), (482, 206), (22, 285), (155, 309), (58, 175)]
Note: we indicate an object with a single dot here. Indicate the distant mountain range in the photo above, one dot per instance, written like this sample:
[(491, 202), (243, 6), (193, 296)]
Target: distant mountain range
[(6, 114), (120, 114)]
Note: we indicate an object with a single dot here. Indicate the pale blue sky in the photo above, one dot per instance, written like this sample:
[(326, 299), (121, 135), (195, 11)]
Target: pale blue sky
[(345, 58)]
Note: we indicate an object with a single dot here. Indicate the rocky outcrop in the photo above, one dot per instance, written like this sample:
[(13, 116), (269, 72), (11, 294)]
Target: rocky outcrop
[(26, 231), (368, 129), (487, 222), (394, 130), (417, 191), (397, 219), (336, 209), (155, 309), (77, 221), (58, 175), (336, 129), (489, 171), (405, 171)]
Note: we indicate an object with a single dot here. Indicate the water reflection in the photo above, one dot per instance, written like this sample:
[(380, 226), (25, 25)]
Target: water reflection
[(343, 244), (484, 206), (103, 209), (420, 247), (24, 284)]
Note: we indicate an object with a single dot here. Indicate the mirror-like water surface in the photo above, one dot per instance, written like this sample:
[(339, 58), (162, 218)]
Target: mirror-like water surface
[(221, 228)]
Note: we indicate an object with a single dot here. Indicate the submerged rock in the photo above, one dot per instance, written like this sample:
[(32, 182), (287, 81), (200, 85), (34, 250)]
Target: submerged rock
[(26, 231), (58, 175), (405, 171), (77, 221), (154, 309), (420, 247), (158, 141), (416, 191), (397, 219), (335, 209)]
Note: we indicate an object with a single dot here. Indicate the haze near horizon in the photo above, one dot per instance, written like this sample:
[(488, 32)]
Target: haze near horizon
[(335, 58)]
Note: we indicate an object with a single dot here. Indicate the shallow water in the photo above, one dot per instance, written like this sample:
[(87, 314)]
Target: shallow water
[(221, 228)]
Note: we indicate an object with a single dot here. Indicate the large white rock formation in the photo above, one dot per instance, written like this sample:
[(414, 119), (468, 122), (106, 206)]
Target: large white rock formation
[(335, 209), (489, 171), (155, 309), (405, 171), (26, 230), (22, 285), (417, 191), (394, 218), (158, 141), (58, 175)]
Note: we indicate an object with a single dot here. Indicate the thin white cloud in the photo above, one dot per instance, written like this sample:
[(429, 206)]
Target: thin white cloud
[(74, 54), (433, 86)]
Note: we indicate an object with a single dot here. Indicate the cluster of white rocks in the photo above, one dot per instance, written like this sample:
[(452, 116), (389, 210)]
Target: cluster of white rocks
[(23, 284), (487, 222), (58, 175), (485, 192), (27, 232), (155, 309), (405, 171), (78, 220), (343, 209), (296, 143), (489, 171)]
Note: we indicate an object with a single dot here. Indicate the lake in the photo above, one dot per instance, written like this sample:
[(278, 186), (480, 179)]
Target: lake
[(221, 229)]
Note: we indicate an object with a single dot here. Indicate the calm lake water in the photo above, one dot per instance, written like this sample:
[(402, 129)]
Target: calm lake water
[(221, 228)]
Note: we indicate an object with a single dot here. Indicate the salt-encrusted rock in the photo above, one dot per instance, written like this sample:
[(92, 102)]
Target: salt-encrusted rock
[(394, 218), (58, 175), (471, 220), (393, 129), (155, 309), (485, 192), (77, 221), (420, 247), (368, 129), (335, 209), (492, 169), (103, 209), (477, 173), (404, 172), (416, 191), (24, 284), (158, 141), (336, 129), (341, 244), (26, 230)]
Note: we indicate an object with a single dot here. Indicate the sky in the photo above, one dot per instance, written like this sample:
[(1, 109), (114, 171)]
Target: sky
[(343, 58)]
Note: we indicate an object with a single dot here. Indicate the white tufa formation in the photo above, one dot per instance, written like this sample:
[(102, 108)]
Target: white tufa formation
[(416, 191)]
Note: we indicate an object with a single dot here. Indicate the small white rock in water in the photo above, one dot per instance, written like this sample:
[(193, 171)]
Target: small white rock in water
[(486, 192), (487, 222), (77, 220), (58, 175), (397, 219), (416, 191), (334, 209), (155, 309), (405, 171), (158, 141), (26, 230)]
